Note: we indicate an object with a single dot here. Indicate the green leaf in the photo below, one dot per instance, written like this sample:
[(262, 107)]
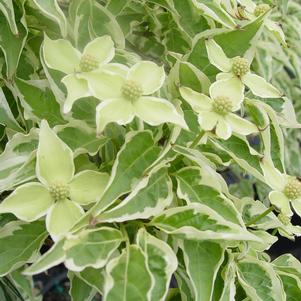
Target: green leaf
[(51, 10), (19, 242), (80, 137), (6, 116), (91, 248), (202, 260), (162, 263), (289, 264), (291, 285), (149, 198), (199, 222), (137, 154), (12, 44), (259, 280), (93, 277), (80, 290), (7, 9), (51, 258), (104, 22), (242, 153), (17, 164), (39, 102), (192, 188), (128, 277)]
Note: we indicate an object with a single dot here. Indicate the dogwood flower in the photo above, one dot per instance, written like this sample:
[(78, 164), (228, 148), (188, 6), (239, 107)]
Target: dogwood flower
[(253, 11), (125, 95), (286, 189), (59, 194), (235, 75), (61, 55), (217, 113)]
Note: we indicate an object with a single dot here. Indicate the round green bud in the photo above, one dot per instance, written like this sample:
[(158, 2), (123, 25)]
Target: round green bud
[(59, 191), (131, 90), (240, 66), (261, 9), (284, 219), (88, 63), (292, 189), (222, 105)]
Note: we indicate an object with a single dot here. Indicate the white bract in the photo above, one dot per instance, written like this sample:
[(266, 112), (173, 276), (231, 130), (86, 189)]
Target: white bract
[(59, 194), (61, 55), (286, 189), (125, 94), (217, 113), (235, 76)]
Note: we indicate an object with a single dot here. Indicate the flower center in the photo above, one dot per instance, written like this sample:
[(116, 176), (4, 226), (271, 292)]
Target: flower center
[(240, 66), (131, 90), (59, 191), (88, 63), (285, 220), (292, 189), (222, 105), (261, 9)]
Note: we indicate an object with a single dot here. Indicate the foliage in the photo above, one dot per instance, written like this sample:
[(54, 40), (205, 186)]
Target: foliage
[(144, 141)]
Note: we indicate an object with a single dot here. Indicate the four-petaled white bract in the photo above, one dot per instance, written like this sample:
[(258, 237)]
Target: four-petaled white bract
[(218, 114), (59, 194), (286, 189)]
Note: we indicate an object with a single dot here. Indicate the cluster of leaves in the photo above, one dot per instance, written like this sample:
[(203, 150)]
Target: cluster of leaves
[(119, 119)]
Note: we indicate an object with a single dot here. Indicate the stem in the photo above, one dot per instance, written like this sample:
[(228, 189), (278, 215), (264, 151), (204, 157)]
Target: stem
[(260, 216), (197, 139)]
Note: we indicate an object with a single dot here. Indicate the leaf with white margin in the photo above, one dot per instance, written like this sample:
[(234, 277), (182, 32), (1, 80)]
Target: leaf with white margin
[(239, 149), (199, 222), (38, 101), (291, 285), (185, 285), (162, 263), (192, 187), (19, 242), (51, 258), (80, 290), (138, 153), (80, 137), (289, 264), (208, 169), (6, 116), (259, 280), (128, 277), (7, 9), (149, 198), (202, 260), (93, 277), (17, 163), (52, 10), (214, 10), (91, 248), (267, 240), (229, 277)]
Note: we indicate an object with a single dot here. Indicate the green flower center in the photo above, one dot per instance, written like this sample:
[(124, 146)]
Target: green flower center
[(88, 63), (261, 9), (131, 90), (59, 191), (240, 66), (222, 105), (284, 219), (292, 189)]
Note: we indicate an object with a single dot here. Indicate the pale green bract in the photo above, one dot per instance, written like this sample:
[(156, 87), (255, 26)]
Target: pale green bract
[(59, 194), (151, 149), (217, 114)]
